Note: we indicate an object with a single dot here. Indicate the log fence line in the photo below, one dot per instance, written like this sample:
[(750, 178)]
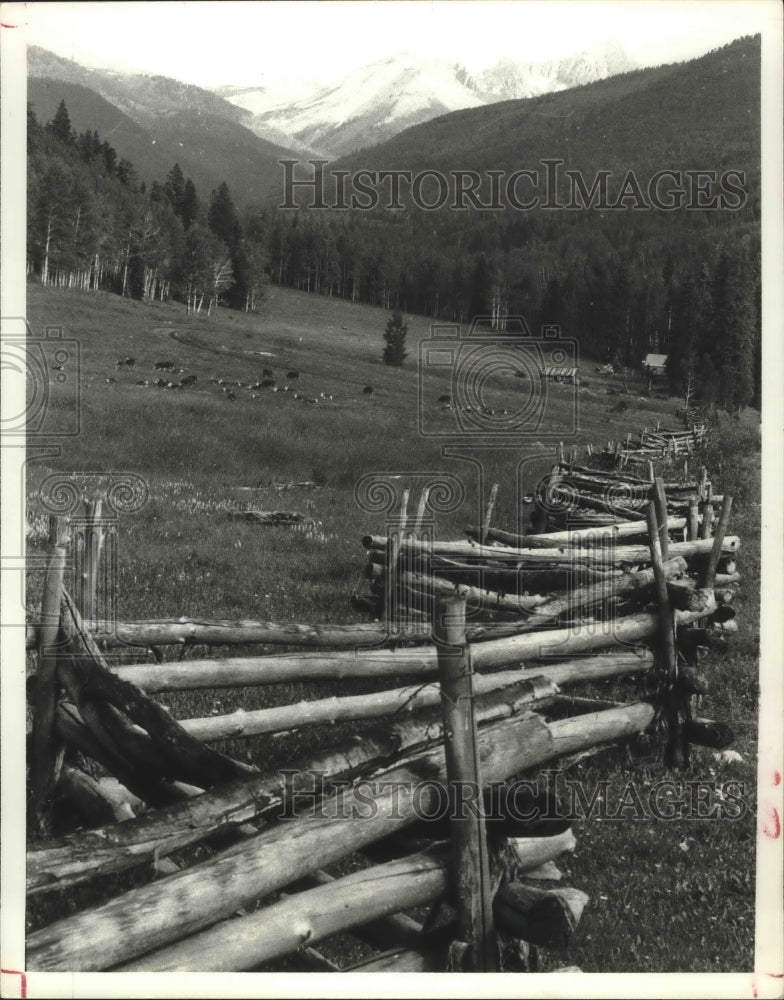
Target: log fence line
[(497, 634)]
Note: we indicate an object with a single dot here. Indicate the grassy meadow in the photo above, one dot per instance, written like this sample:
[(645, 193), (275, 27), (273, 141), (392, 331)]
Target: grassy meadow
[(665, 896)]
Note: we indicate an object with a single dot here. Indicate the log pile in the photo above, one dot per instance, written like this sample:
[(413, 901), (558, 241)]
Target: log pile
[(642, 589)]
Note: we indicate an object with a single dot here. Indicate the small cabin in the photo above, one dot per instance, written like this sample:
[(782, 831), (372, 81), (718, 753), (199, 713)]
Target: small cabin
[(655, 364)]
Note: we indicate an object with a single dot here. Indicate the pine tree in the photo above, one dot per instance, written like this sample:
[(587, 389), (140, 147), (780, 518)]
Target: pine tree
[(60, 125), (395, 339)]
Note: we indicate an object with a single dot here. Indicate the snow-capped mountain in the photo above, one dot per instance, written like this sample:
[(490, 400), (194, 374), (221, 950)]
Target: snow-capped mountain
[(511, 79), (365, 107), (375, 102)]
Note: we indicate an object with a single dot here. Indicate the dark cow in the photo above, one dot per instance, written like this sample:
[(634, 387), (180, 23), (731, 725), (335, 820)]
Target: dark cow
[(188, 380), (164, 366), (368, 390), (111, 381), (126, 363), (292, 375), (267, 373), (447, 400), (267, 383)]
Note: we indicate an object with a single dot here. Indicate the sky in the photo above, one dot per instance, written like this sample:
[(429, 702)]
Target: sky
[(254, 43)]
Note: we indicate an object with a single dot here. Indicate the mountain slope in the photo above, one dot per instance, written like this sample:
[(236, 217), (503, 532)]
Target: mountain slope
[(700, 114), (142, 97), (155, 122)]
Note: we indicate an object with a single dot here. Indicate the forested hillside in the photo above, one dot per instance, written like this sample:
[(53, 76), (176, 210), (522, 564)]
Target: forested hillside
[(92, 224), (648, 261), (634, 225)]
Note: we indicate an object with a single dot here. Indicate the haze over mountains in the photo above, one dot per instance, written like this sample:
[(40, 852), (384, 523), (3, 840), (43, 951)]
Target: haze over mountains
[(375, 102)]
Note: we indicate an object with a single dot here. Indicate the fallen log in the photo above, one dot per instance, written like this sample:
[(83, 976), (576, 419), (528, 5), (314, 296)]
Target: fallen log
[(243, 672), (184, 903)]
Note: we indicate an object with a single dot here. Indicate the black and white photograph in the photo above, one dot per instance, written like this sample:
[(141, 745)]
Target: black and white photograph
[(392, 421)]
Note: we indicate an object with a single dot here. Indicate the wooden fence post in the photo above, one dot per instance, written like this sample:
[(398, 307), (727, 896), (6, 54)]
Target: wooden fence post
[(474, 891), (676, 706), (660, 502), (488, 514), (93, 546), (393, 554), (44, 748)]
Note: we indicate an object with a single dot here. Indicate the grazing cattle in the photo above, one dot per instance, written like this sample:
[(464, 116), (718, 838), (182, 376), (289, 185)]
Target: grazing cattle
[(292, 375), (267, 373), (230, 395), (267, 383), (163, 366), (111, 381), (445, 400), (188, 380), (126, 363), (142, 381), (172, 385), (368, 390), (160, 382)]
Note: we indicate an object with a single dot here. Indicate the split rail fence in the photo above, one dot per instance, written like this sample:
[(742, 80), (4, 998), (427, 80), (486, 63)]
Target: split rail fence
[(489, 635)]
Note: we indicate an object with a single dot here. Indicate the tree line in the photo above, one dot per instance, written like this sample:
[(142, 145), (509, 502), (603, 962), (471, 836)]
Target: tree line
[(93, 225)]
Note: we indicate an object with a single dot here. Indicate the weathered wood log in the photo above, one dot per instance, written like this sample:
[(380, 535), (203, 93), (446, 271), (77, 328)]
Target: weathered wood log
[(90, 680), (59, 864), (189, 631), (497, 576), (243, 672), (93, 802), (305, 918), (576, 536), (626, 512), (327, 711), (685, 596), (175, 907), (709, 576), (660, 504), (470, 859), (599, 593), (312, 915), (147, 786), (563, 556), (45, 747), (395, 929), (545, 917), (474, 596), (675, 704)]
